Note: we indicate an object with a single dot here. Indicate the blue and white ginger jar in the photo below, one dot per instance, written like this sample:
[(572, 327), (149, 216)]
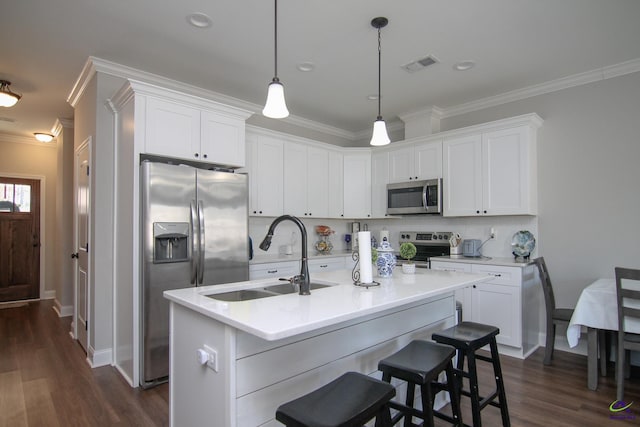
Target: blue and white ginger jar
[(386, 260)]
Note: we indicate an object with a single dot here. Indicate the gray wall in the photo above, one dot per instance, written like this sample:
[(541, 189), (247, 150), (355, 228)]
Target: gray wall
[(588, 177)]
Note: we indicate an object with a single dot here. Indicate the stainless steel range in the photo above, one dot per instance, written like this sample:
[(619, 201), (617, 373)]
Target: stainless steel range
[(428, 244)]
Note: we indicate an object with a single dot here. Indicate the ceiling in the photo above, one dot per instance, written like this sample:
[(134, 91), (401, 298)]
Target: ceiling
[(514, 43)]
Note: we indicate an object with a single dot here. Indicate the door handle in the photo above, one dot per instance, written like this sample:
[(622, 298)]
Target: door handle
[(75, 255)]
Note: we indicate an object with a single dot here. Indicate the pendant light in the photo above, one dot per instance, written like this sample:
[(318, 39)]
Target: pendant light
[(380, 136), (275, 107), (7, 98)]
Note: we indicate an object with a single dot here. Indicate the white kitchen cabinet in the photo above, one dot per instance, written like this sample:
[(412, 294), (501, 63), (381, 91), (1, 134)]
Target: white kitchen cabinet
[(265, 166), (357, 184), (336, 185), (275, 270), (490, 172), (417, 161), (306, 180), (317, 265), (379, 180), (177, 129), (511, 301)]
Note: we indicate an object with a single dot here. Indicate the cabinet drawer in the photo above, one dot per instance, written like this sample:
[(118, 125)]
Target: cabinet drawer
[(450, 266), (501, 275), (327, 264), (275, 270)]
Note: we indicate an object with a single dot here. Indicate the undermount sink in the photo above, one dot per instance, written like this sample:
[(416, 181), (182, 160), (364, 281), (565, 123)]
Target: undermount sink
[(287, 288), (268, 291)]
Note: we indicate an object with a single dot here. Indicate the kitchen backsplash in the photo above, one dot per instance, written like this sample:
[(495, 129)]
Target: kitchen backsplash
[(469, 228)]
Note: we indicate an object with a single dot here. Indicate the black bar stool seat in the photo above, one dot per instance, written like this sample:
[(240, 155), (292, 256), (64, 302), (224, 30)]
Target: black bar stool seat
[(419, 363), (467, 338), (348, 401)]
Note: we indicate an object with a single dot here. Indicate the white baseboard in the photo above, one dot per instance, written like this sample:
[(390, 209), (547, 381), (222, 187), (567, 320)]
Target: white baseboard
[(99, 358), (62, 310), (48, 295)]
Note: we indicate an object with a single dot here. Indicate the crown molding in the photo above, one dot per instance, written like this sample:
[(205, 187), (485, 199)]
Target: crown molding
[(587, 77), (21, 139), (61, 124)]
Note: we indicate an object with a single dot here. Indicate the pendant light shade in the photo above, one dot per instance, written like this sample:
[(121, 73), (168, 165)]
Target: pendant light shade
[(275, 107), (7, 98), (379, 136)]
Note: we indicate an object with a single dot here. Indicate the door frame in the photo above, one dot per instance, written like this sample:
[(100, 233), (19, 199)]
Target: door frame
[(44, 294), (74, 324)]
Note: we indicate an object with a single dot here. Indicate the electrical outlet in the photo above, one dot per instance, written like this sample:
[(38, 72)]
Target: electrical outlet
[(212, 359), (492, 233)]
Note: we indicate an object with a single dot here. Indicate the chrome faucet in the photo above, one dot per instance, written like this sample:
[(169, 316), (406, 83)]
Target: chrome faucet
[(303, 278)]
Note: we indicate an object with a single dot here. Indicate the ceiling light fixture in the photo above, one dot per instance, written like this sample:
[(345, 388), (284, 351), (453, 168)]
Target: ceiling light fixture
[(43, 137), (199, 20), (380, 136), (464, 65), (275, 107), (7, 98)]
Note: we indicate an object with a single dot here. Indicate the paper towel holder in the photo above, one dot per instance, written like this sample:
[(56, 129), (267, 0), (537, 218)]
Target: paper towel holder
[(355, 273)]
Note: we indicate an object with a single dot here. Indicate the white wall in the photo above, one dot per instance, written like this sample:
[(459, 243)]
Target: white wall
[(588, 178)]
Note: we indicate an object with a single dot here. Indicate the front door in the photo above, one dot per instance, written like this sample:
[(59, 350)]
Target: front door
[(82, 179), (19, 239)]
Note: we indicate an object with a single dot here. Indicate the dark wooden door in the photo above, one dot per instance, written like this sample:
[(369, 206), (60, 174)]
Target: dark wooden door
[(19, 239)]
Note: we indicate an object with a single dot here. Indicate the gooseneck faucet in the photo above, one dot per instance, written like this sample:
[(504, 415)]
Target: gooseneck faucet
[(302, 279)]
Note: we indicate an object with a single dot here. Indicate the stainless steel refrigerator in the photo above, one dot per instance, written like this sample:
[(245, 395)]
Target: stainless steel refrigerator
[(194, 233)]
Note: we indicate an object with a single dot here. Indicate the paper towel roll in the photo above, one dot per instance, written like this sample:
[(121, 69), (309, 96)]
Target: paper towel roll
[(364, 252)]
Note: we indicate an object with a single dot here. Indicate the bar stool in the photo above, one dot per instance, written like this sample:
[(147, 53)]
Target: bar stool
[(419, 364), (467, 337), (348, 401)]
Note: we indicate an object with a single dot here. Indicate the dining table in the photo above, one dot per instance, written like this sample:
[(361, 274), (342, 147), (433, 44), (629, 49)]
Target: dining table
[(597, 310)]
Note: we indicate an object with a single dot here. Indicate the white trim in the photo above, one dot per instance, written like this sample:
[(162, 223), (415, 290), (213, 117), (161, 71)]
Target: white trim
[(48, 295), (62, 310), (587, 77), (99, 358)]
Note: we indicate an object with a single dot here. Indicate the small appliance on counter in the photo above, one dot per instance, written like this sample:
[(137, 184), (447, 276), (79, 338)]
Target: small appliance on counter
[(471, 247)]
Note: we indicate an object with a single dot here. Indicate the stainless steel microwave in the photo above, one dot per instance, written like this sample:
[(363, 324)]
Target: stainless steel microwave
[(415, 197)]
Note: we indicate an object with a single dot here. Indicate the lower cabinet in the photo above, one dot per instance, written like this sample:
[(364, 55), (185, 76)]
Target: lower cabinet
[(511, 300), (275, 270)]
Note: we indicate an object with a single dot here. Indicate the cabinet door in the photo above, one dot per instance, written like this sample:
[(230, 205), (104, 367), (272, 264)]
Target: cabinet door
[(499, 305), (265, 176), (222, 139), (357, 185), (428, 160), (336, 185), (317, 182), (295, 179), (506, 182), (379, 180), (172, 129), (274, 270), (326, 264), (401, 163), (462, 176)]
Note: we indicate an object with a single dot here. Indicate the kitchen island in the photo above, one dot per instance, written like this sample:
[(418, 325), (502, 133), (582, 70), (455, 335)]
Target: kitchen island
[(271, 350)]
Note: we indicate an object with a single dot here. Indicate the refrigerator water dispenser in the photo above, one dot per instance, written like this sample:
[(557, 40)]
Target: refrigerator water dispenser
[(170, 242)]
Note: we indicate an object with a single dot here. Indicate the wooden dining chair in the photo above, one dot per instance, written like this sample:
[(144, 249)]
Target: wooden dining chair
[(628, 308), (554, 315)]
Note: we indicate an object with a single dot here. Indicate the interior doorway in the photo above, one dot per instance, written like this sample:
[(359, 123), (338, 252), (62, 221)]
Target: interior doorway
[(19, 239), (82, 226)]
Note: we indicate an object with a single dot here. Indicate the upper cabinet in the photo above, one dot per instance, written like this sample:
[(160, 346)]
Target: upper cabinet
[(357, 184), (379, 180), (417, 161), (336, 184), (265, 166), (306, 180), (190, 128), (492, 171)]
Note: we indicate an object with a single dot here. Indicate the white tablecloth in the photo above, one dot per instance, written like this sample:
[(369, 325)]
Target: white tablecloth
[(597, 308)]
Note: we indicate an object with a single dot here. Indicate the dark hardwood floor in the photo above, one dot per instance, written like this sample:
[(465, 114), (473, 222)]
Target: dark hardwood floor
[(45, 381)]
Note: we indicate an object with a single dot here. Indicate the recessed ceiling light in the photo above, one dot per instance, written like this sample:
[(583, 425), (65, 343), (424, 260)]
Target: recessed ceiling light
[(373, 97), (199, 20), (464, 65), (305, 67)]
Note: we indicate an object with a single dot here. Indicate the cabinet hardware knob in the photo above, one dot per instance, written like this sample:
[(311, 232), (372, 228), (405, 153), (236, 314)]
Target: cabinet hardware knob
[(196, 154), (474, 286), (272, 271), (260, 212), (205, 156), (485, 211), (477, 212)]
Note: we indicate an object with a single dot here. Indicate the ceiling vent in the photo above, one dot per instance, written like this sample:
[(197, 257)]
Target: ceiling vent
[(420, 64)]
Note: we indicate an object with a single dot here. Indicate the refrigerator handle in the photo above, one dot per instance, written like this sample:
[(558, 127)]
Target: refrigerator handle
[(202, 243), (195, 242)]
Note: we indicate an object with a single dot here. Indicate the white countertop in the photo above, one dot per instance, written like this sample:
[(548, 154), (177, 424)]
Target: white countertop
[(283, 316), (505, 262)]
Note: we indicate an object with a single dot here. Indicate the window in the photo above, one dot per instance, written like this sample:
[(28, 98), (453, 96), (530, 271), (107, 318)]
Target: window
[(15, 197)]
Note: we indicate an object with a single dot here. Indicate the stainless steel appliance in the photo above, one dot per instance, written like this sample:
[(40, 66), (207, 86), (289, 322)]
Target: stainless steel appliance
[(194, 232), (428, 244), (415, 197)]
